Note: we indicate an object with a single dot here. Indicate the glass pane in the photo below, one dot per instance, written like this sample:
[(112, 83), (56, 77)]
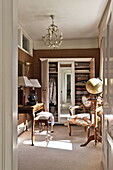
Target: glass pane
[(25, 43), (68, 88)]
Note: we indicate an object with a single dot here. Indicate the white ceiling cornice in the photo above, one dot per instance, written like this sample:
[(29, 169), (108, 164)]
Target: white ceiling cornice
[(75, 18), (71, 44)]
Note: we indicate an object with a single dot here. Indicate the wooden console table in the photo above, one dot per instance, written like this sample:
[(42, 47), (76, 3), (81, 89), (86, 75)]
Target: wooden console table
[(31, 110)]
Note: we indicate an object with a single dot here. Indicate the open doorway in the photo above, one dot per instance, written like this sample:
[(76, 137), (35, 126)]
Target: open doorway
[(65, 82)]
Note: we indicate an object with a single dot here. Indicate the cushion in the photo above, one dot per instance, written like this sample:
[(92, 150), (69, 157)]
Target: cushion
[(82, 119), (45, 116)]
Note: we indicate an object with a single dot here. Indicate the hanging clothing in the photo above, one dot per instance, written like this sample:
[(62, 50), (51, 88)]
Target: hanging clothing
[(52, 91)]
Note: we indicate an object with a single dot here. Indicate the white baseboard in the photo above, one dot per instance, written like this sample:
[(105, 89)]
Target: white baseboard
[(22, 127)]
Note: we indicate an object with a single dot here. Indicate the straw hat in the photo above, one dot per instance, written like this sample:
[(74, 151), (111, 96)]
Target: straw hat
[(94, 86)]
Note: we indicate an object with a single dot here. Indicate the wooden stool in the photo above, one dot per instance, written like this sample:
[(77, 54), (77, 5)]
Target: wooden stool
[(42, 120)]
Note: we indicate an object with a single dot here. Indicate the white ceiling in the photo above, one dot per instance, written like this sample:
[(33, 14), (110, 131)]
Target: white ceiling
[(75, 18)]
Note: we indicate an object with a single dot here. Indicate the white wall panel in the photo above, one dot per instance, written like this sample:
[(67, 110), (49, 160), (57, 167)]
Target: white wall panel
[(8, 84)]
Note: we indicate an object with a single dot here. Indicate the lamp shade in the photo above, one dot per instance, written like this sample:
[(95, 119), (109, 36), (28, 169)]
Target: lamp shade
[(35, 83), (24, 81)]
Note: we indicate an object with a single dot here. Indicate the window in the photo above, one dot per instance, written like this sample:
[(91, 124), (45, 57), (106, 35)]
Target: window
[(25, 43)]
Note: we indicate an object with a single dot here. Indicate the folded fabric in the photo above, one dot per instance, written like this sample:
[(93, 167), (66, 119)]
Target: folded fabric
[(45, 115), (81, 119)]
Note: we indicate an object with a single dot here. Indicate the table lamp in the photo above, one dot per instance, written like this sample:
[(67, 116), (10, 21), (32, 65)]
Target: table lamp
[(35, 84), (23, 81)]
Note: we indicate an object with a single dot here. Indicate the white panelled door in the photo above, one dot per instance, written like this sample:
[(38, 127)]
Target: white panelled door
[(108, 96), (45, 84)]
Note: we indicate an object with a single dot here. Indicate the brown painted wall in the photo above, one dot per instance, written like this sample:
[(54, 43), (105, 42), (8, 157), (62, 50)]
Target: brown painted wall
[(35, 69), (71, 53), (24, 57)]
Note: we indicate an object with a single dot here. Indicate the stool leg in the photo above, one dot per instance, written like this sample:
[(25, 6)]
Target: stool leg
[(51, 128), (47, 136), (47, 127), (43, 124), (40, 128)]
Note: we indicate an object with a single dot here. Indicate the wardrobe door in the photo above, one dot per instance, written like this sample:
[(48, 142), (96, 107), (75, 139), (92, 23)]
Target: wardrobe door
[(45, 84), (53, 89), (92, 68)]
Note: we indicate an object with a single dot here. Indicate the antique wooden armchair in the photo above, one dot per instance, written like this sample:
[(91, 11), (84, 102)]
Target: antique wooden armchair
[(85, 119)]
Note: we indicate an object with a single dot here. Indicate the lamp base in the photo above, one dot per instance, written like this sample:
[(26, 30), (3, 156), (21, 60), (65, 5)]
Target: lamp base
[(30, 103)]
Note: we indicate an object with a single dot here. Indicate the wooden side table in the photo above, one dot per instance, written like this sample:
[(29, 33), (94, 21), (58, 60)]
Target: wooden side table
[(31, 110)]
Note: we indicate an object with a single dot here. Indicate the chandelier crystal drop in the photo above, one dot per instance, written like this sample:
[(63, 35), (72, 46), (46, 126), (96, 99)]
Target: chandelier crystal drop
[(53, 38)]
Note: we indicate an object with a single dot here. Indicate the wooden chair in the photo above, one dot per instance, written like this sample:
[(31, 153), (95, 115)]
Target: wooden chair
[(83, 119), (88, 119)]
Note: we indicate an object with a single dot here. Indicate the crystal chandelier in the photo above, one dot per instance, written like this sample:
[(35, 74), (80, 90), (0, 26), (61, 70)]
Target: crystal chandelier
[(53, 38)]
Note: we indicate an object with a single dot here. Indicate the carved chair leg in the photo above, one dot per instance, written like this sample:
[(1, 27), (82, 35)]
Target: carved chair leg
[(85, 128), (100, 126), (69, 129), (88, 134)]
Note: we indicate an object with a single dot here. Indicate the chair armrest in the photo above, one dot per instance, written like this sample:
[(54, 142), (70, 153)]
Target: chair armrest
[(72, 108), (98, 109)]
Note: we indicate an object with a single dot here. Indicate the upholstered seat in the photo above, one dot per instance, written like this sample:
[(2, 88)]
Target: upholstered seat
[(85, 119), (82, 119), (45, 117)]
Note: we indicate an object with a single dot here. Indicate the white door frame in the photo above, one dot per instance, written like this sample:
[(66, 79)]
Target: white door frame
[(8, 84), (59, 91), (45, 84), (72, 85), (66, 86)]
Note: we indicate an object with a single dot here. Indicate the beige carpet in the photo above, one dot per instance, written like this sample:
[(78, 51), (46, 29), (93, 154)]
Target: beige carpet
[(62, 152)]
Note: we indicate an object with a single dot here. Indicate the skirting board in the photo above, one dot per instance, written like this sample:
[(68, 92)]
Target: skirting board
[(23, 128)]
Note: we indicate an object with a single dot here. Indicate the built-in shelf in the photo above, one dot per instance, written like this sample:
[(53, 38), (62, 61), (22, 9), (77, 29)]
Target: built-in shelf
[(82, 67), (52, 72), (82, 75), (53, 78)]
